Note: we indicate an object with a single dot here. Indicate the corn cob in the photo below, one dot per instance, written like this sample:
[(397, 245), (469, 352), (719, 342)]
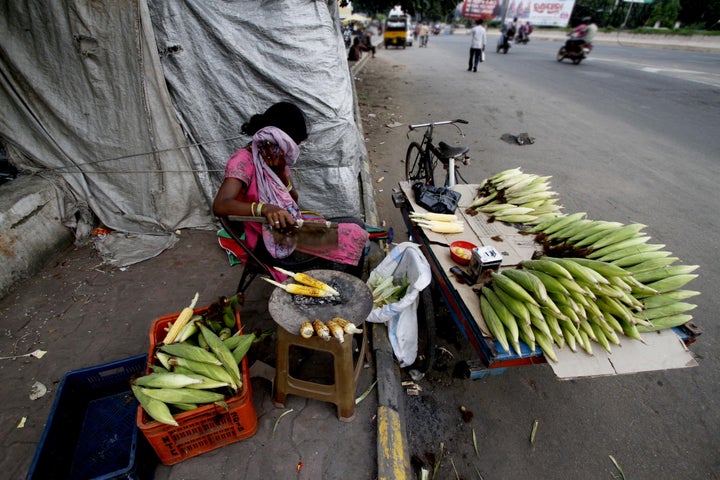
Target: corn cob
[(666, 322), (438, 217), (336, 330), (165, 380), (306, 279), (547, 266), (668, 298), (619, 235), (222, 353), (191, 352), (493, 322), (675, 308), (242, 348), (597, 229), (189, 330), (205, 369), (206, 383), (306, 330), (545, 342), (672, 283), (181, 321), (664, 272), (156, 409), (512, 288), (442, 227), (186, 407), (297, 289), (182, 395), (507, 318), (349, 327), (529, 282), (516, 307), (631, 261), (321, 330)]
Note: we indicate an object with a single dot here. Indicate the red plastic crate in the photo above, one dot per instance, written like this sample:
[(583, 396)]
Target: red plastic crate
[(205, 428)]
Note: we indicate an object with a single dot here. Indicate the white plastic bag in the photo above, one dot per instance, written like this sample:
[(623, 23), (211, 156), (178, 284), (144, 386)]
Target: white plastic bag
[(401, 316)]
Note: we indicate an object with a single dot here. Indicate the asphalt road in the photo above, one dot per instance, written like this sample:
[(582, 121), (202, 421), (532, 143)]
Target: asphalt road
[(630, 135)]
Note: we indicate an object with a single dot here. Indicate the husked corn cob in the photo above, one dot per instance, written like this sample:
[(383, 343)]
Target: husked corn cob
[(321, 330), (156, 409), (181, 321), (336, 330), (438, 217), (349, 327), (306, 279), (442, 227), (306, 329), (298, 289)]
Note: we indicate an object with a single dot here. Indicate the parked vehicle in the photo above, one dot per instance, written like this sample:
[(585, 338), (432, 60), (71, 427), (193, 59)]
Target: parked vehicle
[(424, 158)]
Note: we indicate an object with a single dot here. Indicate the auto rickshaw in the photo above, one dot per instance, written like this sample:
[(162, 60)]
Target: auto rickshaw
[(395, 32)]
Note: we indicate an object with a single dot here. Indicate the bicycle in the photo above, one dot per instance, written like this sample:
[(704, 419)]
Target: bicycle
[(422, 158)]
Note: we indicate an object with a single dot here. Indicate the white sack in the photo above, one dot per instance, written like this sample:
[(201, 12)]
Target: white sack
[(401, 317)]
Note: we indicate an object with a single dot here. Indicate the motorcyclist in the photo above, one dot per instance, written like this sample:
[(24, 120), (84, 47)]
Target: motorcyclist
[(582, 35), (524, 32)]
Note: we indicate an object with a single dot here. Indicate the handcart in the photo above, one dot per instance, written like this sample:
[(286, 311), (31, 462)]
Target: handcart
[(461, 300)]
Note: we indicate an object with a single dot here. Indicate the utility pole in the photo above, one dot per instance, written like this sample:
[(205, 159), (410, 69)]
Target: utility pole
[(506, 4)]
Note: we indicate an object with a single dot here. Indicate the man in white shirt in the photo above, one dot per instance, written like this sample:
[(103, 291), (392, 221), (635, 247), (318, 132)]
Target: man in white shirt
[(477, 45)]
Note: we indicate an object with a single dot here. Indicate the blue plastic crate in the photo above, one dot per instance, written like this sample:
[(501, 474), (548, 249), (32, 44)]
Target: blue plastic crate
[(91, 432)]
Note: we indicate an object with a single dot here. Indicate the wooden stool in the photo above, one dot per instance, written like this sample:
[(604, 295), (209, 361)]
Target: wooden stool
[(354, 305), (345, 373)]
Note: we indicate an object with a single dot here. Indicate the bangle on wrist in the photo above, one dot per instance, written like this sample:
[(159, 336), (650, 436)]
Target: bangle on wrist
[(259, 209), (252, 209)]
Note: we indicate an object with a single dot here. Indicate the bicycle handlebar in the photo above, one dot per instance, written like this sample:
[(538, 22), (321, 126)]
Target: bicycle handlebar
[(444, 122)]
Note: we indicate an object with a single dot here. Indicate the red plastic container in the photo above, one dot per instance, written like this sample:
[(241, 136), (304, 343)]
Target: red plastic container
[(205, 428)]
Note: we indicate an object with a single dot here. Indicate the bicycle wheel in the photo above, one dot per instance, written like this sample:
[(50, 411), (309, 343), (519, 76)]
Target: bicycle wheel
[(415, 168)]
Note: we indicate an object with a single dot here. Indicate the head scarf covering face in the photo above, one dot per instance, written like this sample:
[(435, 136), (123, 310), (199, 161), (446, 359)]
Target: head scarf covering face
[(270, 189)]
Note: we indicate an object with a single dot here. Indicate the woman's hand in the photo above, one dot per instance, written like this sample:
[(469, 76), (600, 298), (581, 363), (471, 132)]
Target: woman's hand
[(278, 218)]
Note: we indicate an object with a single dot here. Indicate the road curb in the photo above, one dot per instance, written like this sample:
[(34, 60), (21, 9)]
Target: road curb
[(393, 458)]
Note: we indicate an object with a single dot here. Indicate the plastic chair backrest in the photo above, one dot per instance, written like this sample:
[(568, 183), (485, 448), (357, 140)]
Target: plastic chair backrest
[(253, 265)]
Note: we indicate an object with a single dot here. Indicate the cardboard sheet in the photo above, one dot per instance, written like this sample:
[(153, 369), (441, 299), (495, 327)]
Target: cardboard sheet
[(663, 350)]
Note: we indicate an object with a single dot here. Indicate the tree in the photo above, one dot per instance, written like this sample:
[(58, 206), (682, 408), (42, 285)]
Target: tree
[(666, 12)]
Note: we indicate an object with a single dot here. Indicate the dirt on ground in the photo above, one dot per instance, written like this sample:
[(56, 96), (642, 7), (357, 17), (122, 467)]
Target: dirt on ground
[(432, 412)]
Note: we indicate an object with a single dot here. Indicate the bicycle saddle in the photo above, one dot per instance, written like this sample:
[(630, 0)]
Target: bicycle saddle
[(448, 151)]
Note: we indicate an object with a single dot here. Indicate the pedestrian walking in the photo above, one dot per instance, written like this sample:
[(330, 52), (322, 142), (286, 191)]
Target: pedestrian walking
[(477, 45)]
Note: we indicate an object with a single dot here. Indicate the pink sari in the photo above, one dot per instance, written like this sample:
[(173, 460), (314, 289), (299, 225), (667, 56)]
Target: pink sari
[(266, 187)]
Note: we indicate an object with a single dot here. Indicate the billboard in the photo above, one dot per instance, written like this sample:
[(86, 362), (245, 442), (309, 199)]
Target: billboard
[(542, 13)]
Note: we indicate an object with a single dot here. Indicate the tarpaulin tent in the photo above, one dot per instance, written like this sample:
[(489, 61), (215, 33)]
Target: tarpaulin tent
[(133, 107)]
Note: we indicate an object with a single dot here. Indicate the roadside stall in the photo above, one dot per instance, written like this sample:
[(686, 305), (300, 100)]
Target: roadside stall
[(629, 313)]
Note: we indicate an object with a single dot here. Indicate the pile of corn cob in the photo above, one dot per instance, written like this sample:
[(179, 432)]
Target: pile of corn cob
[(197, 363), (336, 327), (515, 197), (616, 284), (438, 222)]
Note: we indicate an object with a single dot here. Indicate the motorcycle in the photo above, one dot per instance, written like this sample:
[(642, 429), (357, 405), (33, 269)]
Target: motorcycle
[(522, 37), (574, 50), (503, 43)]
